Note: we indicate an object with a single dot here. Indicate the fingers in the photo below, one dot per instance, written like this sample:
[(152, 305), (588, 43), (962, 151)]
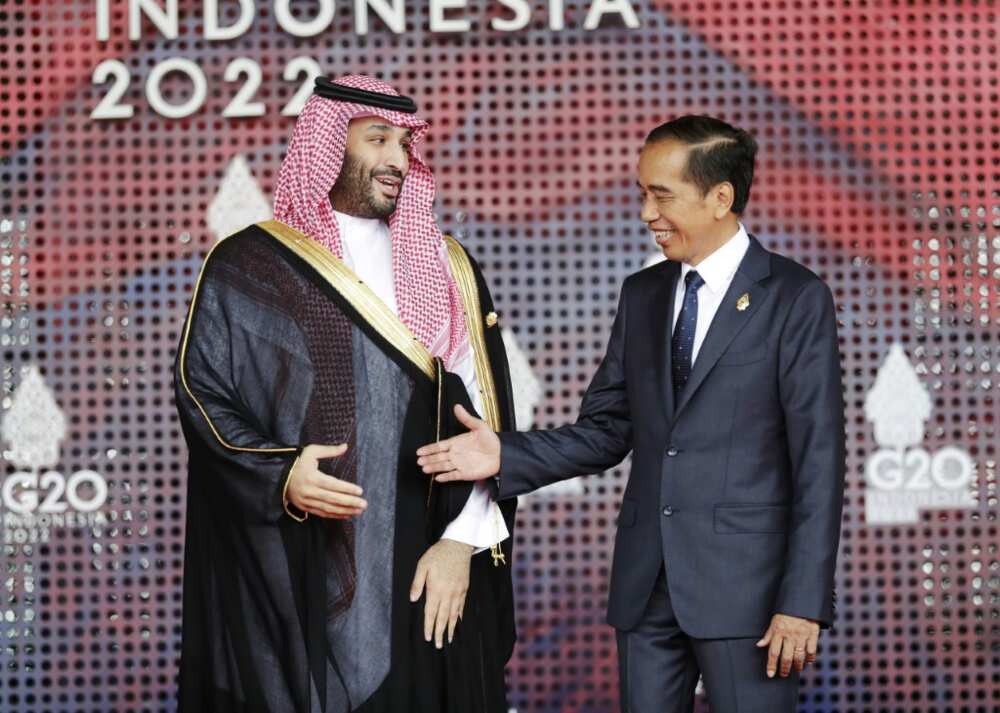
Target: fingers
[(431, 605), (439, 468), (419, 579), (434, 448), (792, 643), (314, 484), (333, 498), (440, 617), (766, 639), (325, 497), (782, 655), (450, 476), (787, 657), (799, 659), (441, 623), (440, 463), (334, 485), (320, 452), (812, 647), (443, 606), (443, 576), (329, 511), (458, 604), (467, 419), (773, 654), (444, 446)]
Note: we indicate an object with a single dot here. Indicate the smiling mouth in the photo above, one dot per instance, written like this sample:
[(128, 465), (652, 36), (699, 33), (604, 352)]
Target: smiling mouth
[(389, 185), (662, 237)]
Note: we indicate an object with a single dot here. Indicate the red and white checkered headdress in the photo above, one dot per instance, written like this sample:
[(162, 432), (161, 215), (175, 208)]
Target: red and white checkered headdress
[(426, 294)]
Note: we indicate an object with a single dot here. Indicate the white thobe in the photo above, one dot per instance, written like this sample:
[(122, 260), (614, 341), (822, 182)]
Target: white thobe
[(367, 248)]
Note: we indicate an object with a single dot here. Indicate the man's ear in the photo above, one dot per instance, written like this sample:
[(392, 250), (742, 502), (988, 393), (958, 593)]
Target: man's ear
[(723, 195)]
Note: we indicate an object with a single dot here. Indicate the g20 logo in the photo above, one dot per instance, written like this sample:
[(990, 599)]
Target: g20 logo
[(950, 468), (902, 477), (51, 492), (33, 429)]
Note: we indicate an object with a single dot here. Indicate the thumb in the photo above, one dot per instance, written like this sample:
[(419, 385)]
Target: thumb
[(766, 640), (417, 588), (467, 419), (320, 452)]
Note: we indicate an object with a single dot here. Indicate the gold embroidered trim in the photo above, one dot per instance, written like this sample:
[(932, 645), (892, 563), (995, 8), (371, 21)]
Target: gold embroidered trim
[(183, 369), (284, 495), (465, 279), (439, 369), (361, 297)]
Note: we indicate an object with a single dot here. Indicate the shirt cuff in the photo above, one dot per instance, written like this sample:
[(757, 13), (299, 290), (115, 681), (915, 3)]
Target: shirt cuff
[(480, 524)]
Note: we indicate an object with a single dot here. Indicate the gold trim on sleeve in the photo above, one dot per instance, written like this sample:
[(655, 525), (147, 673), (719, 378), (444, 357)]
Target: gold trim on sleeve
[(284, 495), (361, 297), (465, 279), (183, 369)]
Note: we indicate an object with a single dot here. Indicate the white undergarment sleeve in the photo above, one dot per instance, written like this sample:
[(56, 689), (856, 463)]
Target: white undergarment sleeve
[(367, 247)]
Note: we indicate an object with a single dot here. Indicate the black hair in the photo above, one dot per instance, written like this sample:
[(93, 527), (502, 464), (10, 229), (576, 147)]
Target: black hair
[(718, 153)]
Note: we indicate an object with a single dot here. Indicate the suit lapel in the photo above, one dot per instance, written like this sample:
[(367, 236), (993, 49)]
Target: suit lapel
[(661, 312), (729, 320)]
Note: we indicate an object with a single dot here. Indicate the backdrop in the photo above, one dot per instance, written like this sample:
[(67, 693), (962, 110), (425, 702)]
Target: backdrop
[(135, 132)]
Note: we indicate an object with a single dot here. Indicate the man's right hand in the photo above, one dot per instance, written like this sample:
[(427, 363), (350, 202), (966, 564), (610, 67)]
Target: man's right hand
[(313, 491), (472, 456)]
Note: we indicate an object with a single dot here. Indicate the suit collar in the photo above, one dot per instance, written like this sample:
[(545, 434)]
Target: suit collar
[(717, 269), (756, 264), (741, 302)]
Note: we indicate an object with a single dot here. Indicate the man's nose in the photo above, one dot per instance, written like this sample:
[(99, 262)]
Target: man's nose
[(648, 213), (398, 159)]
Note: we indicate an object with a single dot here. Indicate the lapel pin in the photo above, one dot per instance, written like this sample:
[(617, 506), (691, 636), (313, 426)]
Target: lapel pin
[(491, 319), (743, 302)]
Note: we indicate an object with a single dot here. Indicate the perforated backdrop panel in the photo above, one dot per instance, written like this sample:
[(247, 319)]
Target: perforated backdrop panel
[(878, 126)]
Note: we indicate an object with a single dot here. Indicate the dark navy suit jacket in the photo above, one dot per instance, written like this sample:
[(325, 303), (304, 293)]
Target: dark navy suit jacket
[(737, 487)]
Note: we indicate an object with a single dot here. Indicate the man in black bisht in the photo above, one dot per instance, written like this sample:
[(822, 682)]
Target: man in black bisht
[(320, 350)]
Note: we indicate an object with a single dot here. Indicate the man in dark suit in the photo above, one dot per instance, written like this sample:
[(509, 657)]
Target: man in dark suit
[(722, 377)]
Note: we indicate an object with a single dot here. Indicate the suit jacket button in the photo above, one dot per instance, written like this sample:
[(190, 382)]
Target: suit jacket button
[(672, 451), (668, 511)]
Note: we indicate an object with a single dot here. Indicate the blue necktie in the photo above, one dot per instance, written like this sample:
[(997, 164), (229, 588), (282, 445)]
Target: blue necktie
[(682, 344)]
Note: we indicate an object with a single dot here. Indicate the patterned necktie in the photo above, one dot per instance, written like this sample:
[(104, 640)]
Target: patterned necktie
[(682, 344)]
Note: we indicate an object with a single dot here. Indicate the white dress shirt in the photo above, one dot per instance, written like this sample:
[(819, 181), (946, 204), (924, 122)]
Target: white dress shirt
[(717, 270), (368, 252)]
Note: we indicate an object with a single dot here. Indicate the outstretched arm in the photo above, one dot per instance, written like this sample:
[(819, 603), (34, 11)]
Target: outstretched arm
[(600, 438)]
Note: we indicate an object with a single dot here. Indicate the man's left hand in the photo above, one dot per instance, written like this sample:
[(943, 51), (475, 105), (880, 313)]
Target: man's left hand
[(791, 641), (471, 456), (444, 570)]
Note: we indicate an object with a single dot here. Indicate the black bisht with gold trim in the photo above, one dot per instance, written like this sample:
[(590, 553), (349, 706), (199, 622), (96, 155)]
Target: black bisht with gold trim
[(284, 347)]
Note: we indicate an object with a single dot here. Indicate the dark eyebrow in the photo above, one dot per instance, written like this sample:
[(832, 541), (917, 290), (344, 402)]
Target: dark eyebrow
[(387, 127), (655, 188)]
